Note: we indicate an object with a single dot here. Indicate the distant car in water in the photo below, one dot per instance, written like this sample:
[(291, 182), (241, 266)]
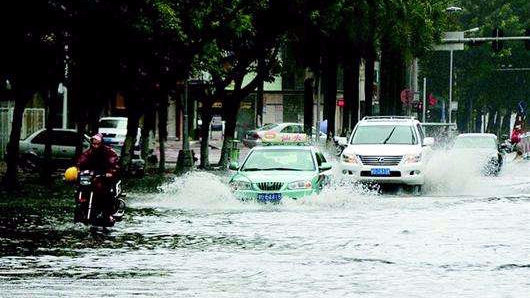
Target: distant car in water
[(279, 133), (273, 173), (114, 131), (482, 148)]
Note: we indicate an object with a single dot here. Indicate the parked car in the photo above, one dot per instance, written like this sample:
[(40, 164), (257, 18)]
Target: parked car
[(64, 142), (387, 150), (279, 133), (481, 149), (273, 173)]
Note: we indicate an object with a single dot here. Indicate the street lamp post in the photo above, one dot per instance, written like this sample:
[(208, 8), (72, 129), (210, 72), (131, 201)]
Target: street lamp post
[(185, 156), (450, 84)]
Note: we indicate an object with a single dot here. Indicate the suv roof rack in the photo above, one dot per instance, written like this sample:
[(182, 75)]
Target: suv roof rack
[(389, 118)]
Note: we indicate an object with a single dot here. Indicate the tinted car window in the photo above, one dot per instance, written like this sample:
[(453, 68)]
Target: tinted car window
[(40, 138), (64, 138)]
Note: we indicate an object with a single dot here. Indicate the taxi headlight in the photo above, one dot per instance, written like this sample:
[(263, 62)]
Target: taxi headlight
[(349, 158), (411, 158), (302, 184), (240, 185)]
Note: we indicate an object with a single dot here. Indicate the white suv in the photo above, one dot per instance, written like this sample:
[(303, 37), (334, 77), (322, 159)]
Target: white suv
[(387, 149)]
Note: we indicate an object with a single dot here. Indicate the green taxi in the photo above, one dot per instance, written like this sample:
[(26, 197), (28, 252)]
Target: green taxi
[(272, 173)]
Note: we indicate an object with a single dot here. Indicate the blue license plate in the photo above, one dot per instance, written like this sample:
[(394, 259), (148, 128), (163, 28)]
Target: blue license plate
[(269, 197), (380, 171)]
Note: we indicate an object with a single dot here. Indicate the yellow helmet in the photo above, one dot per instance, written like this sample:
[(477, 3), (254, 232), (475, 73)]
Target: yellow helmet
[(70, 174)]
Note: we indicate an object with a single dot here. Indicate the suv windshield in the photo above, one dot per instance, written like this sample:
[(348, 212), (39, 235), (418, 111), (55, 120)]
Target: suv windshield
[(474, 142), (280, 159), (384, 134), (113, 123)]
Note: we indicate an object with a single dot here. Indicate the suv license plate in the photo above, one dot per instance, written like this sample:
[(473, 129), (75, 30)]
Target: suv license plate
[(269, 197), (380, 171)]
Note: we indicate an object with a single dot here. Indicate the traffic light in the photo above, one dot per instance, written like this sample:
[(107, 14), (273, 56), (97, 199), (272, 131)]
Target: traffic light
[(497, 45)]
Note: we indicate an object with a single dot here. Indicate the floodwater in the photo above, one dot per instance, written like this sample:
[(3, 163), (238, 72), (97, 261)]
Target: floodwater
[(466, 236)]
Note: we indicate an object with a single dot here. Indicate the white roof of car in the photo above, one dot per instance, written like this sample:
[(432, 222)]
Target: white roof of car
[(388, 120), (113, 118), (477, 135)]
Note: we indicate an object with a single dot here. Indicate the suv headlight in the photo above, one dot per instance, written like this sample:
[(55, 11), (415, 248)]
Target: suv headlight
[(302, 184), (412, 158), (349, 158), (240, 185)]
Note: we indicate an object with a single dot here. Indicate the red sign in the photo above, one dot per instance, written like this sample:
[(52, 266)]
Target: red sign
[(406, 96), (432, 100), (340, 102)]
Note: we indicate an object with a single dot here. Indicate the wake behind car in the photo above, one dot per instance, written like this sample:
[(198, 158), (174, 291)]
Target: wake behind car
[(273, 173), (480, 149), (279, 133), (387, 150)]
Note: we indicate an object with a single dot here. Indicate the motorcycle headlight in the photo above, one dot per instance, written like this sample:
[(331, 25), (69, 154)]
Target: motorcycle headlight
[(349, 158), (411, 158), (240, 185), (302, 184)]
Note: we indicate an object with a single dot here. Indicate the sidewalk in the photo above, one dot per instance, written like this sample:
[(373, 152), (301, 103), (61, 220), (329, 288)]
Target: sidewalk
[(174, 146)]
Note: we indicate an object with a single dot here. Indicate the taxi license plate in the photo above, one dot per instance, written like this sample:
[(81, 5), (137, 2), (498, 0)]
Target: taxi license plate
[(269, 197), (380, 171)]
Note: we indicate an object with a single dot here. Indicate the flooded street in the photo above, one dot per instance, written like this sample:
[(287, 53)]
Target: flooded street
[(466, 236)]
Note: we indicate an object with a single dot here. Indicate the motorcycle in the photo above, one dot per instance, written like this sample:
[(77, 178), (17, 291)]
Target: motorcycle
[(96, 209)]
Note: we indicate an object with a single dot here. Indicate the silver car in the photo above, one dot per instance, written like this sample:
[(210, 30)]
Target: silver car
[(63, 143)]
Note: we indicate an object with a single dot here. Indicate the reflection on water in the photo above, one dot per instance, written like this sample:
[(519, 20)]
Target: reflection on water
[(466, 236)]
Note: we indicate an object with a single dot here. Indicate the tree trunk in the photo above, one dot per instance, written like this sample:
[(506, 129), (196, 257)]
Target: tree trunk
[(369, 76), (348, 82), (206, 116), (355, 95), (147, 128), (478, 121), (133, 119), (10, 178), (162, 131), (330, 93), (308, 103), (230, 108), (505, 126), (392, 80), (491, 120), (259, 105), (47, 167)]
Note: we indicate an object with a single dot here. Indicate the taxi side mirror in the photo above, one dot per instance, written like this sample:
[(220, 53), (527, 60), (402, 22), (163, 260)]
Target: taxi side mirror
[(234, 166), (324, 167), (428, 141)]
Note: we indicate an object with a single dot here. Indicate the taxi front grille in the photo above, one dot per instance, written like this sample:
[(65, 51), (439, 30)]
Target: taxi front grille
[(387, 160), (270, 185)]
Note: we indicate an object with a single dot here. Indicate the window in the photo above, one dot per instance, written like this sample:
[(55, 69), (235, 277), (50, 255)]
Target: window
[(64, 138), (40, 138), (420, 131), (385, 134)]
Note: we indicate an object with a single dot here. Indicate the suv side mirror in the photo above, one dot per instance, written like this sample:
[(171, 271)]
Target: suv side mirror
[(343, 141), (428, 141), (233, 166), (324, 167)]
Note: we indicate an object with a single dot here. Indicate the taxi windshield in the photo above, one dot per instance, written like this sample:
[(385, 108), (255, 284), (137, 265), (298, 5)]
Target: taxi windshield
[(279, 159)]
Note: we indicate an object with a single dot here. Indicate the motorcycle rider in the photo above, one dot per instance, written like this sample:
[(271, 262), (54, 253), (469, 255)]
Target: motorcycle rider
[(103, 160)]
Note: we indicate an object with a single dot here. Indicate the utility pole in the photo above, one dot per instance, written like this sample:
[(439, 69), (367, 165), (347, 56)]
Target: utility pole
[(424, 99), (450, 84)]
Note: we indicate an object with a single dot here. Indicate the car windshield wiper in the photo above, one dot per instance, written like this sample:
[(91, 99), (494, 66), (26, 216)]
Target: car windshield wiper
[(252, 169), (390, 135), (282, 169)]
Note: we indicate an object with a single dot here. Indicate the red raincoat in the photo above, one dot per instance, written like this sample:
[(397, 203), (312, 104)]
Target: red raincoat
[(102, 160)]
